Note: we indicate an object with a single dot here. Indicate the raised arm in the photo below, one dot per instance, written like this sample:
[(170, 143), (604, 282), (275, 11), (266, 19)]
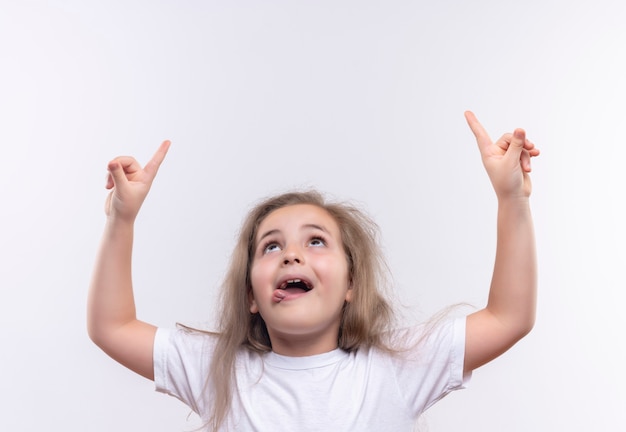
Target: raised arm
[(510, 311), (111, 319)]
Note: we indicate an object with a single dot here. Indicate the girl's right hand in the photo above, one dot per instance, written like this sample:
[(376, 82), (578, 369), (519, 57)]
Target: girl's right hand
[(507, 160), (129, 184)]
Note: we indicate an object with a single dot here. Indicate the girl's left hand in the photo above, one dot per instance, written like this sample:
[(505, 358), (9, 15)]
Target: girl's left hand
[(507, 161)]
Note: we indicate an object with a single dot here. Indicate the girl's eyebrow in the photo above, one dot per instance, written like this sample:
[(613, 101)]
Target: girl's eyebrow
[(267, 233), (275, 231), (315, 226)]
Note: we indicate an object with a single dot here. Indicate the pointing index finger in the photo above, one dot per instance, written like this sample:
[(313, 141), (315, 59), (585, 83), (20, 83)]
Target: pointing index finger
[(153, 164), (482, 137)]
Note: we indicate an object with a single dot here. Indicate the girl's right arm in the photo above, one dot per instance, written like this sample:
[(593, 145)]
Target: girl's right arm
[(111, 319)]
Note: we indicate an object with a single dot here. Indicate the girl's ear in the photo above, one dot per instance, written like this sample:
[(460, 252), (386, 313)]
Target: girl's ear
[(349, 293), (254, 308)]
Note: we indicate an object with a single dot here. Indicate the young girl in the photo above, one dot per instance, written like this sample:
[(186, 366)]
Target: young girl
[(305, 339)]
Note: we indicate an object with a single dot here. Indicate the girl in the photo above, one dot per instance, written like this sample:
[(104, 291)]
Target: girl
[(305, 339)]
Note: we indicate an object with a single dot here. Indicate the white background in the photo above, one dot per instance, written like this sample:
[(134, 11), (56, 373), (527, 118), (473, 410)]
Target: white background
[(361, 99)]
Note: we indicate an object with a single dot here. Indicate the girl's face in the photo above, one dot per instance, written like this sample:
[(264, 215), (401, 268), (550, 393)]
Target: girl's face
[(300, 279)]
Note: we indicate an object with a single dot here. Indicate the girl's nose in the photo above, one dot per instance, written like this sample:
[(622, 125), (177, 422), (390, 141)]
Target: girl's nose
[(292, 255)]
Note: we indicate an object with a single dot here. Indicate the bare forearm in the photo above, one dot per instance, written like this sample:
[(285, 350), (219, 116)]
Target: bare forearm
[(111, 303), (512, 297)]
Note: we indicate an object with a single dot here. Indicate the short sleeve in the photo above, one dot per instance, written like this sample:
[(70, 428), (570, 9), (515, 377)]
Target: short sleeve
[(432, 367), (181, 358)]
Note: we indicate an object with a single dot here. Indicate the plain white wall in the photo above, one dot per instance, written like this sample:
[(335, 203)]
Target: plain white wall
[(361, 99)]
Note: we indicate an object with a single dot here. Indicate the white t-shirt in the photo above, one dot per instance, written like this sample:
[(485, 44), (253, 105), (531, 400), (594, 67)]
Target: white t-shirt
[(368, 390)]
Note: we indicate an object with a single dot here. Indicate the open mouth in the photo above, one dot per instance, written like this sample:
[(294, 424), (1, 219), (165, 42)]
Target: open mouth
[(296, 286)]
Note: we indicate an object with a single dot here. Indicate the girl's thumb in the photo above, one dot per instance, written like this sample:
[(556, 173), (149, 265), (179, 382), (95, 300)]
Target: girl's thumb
[(116, 172), (517, 143)]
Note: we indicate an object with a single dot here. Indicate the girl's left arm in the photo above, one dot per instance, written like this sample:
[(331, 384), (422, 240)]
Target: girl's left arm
[(510, 311)]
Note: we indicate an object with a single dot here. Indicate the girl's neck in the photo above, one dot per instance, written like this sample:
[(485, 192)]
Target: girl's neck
[(302, 345)]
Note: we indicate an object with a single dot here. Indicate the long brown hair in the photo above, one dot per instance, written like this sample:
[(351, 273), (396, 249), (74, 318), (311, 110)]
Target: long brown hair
[(365, 319)]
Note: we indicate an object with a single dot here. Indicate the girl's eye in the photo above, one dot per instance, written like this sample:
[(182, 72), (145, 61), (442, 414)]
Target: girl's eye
[(271, 247), (317, 242)]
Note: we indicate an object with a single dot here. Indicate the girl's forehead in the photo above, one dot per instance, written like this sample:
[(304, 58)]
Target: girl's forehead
[(299, 216)]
